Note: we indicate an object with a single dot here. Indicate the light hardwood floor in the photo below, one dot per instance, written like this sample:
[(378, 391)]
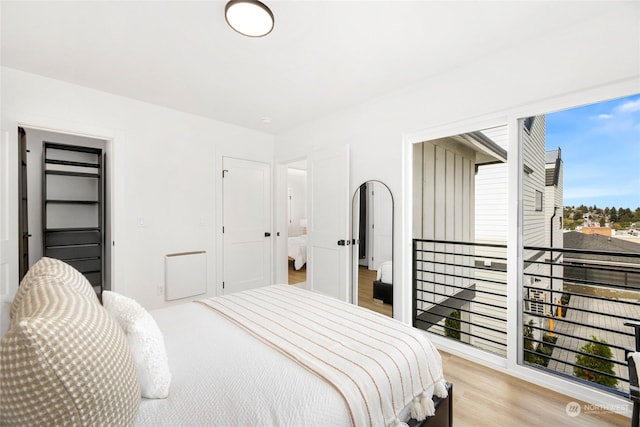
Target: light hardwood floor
[(297, 276), (365, 293), (485, 397), (365, 288)]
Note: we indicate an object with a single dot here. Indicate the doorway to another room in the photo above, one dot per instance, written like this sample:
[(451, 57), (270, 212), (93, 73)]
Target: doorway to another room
[(64, 209), (297, 222)]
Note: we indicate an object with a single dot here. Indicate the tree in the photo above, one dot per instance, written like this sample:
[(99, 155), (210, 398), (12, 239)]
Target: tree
[(604, 367), (602, 221), (613, 215), (452, 325)]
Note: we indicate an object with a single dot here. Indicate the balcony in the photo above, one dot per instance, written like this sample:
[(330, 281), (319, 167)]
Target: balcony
[(574, 305)]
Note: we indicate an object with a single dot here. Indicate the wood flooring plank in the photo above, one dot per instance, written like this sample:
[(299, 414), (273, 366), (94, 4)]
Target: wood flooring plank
[(486, 397)]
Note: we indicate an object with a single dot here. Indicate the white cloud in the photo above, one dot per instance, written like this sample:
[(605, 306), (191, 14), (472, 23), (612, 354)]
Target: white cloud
[(629, 106), (605, 116)]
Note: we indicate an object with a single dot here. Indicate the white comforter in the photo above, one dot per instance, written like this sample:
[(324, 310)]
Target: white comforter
[(377, 364), (223, 375)]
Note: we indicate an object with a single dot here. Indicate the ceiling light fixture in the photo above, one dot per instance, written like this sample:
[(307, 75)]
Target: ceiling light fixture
[(249, 17)]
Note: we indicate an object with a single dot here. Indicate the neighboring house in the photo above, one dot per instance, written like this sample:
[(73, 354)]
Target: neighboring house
[(603, 231)]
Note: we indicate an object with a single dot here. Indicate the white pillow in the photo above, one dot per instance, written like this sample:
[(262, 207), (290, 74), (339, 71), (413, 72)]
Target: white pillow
[(146, 343)]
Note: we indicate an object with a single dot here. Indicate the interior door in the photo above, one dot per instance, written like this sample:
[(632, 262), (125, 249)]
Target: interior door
[(246, 194), (23, 224), (328, 222)]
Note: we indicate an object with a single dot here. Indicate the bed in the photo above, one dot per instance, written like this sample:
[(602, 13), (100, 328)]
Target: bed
[(297, 250), (273, 356), (211, 382)]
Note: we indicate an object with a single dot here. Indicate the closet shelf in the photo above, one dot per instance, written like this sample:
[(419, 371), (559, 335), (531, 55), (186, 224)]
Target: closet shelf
[(69, 173), (72, 163), (71, 229), (74, 234), (72, 202)]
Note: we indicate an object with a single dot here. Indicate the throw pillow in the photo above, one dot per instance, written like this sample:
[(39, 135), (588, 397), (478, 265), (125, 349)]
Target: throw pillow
[(65, 361), (145, 341)]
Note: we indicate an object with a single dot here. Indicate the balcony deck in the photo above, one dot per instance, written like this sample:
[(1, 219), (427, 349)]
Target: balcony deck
[(486, 397), (594, 317)]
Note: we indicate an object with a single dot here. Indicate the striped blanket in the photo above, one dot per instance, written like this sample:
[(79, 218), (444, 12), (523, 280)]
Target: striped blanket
[(377, 364)]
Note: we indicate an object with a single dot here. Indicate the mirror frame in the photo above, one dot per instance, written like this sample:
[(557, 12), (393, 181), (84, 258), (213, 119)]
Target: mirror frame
[(354, 271)]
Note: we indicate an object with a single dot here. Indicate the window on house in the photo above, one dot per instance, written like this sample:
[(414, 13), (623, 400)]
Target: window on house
[(528, 124), (539, 201)]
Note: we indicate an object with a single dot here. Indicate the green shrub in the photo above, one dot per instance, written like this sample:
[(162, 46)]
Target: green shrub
[(527, 333), (452, 325), (537, 353), (605, 367)]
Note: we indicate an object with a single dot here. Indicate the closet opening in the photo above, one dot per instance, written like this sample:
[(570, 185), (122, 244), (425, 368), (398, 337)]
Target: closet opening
[(64, 203)]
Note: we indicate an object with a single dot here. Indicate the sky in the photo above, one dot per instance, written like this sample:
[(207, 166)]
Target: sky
[(600, 146)]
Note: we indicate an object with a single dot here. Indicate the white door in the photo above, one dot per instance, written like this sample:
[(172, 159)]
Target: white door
[(328, 223), (246, 199)]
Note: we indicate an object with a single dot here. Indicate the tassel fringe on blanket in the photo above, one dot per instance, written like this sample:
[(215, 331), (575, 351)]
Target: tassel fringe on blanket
[(423, 406)]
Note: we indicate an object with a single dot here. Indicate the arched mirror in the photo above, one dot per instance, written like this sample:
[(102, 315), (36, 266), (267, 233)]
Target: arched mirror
[(372, 228)]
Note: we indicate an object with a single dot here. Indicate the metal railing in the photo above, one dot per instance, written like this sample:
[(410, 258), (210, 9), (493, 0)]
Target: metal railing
[(460, 292), (574, 305)]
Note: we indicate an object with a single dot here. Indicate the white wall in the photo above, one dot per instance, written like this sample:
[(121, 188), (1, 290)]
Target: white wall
[(576, 63), (166, 168), (588, 62)]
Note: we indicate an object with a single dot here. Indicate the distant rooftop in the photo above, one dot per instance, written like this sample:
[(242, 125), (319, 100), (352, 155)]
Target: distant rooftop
[(596, 242), (553, 155), (553, 163)]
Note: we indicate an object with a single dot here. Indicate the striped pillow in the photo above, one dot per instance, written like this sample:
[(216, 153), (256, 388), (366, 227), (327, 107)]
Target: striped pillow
[(65, 361), (54, 268)]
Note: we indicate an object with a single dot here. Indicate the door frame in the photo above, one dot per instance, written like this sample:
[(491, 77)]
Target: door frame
[(281, 226), (23, 207), (111, 183)]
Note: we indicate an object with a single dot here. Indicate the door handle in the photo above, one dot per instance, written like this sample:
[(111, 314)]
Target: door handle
[(267, 234), (343, 242)]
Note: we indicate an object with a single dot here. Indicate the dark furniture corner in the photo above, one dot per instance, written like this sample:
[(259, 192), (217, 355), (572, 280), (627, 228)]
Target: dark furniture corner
[(634, 391), (383, 291)]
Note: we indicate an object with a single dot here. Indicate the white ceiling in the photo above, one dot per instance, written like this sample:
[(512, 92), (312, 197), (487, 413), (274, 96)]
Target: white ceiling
[(322, 56)]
